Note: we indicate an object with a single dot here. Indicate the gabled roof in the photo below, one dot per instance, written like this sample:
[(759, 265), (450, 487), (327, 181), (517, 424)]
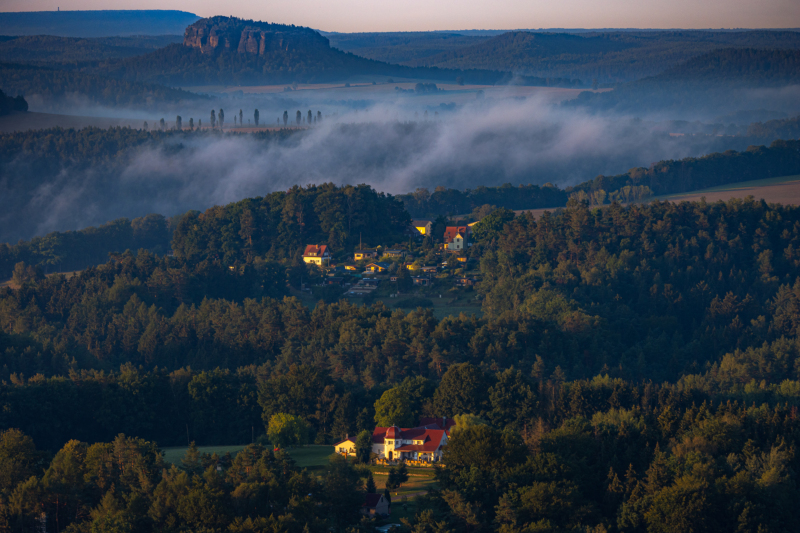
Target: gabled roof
[(451, 231), (343, 441), (315, 250), (431, 433), (372, 500), (381, 264)]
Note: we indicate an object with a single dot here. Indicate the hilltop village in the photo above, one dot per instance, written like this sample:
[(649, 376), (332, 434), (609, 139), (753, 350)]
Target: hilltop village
[(431, 263)]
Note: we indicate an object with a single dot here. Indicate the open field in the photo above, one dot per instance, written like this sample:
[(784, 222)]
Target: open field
[(365, 89), (310, 457), (783, 190)]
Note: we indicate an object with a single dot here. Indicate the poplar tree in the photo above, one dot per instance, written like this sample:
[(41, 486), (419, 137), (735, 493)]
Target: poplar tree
[(255, 117)]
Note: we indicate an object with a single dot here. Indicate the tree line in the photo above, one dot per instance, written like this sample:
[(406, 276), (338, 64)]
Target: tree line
[(10, 105)]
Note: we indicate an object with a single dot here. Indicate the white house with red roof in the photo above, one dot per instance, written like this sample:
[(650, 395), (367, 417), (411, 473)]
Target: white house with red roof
[(422, 443), (317, 254)]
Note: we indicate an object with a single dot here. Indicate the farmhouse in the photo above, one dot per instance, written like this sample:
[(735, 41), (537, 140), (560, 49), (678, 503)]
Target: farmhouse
[(315, 254), (422, 443)]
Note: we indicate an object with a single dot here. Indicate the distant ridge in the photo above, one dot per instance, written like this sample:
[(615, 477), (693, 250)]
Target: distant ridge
[(96, 23), (231, 50)]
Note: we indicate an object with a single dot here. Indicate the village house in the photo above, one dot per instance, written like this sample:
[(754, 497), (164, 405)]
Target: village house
[(346, 447), (424, 227), (362, 255), (375, 505), (317, 255), (422, 281), (430, 269), (422, 443), (465, 282), (395, 253), (378, 267), (456, 237)]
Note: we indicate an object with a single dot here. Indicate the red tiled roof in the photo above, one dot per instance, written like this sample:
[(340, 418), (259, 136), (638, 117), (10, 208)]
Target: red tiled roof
[(372, 500), (314, 250), (451, 231), (378, 434), (429, 446), (441, 423)]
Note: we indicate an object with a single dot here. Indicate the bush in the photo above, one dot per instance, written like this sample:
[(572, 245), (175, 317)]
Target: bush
[(414, 302)]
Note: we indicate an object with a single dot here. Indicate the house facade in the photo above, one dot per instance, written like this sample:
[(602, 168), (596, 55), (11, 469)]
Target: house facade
[(456, 237), (378, 267), (375, 505), (362, 255), (422, 443), (316, 254), (424, 227)]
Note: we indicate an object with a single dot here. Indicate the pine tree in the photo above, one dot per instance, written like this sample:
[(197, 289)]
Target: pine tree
[(370, 485)]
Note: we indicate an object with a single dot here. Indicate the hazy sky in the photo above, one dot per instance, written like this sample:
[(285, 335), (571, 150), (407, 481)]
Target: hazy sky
[(410, 15)]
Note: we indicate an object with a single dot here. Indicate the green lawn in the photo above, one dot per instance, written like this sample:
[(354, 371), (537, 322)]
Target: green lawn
[(311, 457), (306, 456)]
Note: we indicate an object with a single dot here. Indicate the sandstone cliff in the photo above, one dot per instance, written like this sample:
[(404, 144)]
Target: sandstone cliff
[(249, 37)]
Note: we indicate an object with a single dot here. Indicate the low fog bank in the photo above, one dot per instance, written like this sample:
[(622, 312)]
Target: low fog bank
[(393, 147)]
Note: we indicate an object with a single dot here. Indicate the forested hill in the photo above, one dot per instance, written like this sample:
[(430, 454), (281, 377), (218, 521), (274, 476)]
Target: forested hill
[(750, 67), (702, 84), (245, 51), (607, 56), (636, 369), (781, 158)]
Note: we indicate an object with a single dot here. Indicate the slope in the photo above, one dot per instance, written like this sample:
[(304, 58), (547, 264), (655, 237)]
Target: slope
[(720, 81), (73, 51), (608, 56)]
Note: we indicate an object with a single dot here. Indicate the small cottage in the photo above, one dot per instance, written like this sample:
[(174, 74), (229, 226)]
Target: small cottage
[(375, 505)]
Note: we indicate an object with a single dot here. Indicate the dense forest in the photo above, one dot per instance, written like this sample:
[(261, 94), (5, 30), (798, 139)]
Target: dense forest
[(10, 105), (75, 250), (54, 87), (627, 360), (609, 57)]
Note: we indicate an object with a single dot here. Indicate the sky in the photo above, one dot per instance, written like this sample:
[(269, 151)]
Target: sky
[(426, 15)]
